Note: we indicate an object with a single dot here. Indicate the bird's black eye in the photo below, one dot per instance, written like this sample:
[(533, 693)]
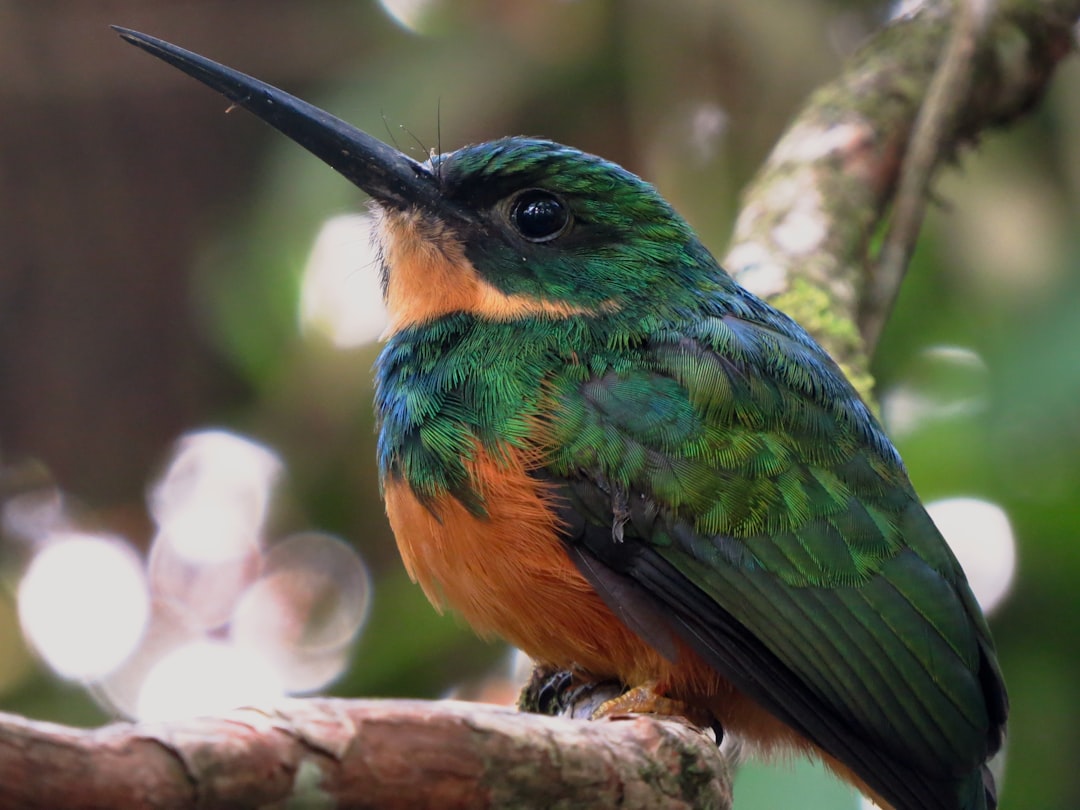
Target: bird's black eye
[(539, 215)]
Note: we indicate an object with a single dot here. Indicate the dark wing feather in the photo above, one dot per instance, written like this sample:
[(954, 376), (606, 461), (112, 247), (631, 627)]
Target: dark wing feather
[(732, 481), (827, 716)]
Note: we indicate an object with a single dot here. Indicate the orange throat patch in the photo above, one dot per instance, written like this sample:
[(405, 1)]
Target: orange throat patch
[(429, 276)]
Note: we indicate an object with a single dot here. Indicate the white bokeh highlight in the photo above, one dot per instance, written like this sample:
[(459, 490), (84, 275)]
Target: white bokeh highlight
[(210, 505), (204, 678), (83, 604), (409, 14), (340, 293), (305, 610), (945, 382), (33, 515), (981, 537), (217, 616), (207, 591), (709, 123)]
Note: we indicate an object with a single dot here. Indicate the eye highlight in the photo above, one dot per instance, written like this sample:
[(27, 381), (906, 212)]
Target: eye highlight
[(538, 215)]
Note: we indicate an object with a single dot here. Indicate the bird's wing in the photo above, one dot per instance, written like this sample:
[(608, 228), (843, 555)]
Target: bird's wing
[(733, 475)]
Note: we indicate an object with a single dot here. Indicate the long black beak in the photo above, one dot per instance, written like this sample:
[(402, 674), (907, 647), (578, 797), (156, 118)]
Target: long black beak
[(385, 173)]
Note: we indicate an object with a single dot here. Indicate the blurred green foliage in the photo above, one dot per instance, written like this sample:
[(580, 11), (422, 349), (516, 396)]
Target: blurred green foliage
[(690, 95)]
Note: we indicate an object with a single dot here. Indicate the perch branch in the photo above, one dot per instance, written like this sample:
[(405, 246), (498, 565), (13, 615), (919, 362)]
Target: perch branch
[(362, 753)]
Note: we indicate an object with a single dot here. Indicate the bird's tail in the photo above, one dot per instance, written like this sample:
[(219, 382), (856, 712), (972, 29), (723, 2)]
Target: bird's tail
[(979, 791)]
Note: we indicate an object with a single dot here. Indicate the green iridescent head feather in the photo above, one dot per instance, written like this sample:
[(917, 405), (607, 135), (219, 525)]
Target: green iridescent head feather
[(624, 243)]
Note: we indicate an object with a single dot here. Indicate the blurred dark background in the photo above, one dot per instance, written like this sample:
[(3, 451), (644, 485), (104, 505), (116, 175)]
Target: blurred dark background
[(152, 252)]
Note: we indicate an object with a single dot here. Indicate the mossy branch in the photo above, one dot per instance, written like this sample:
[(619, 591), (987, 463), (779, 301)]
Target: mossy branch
[(804, 239)]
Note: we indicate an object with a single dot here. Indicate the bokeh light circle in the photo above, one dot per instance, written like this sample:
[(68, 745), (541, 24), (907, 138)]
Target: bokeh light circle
[(306, 608), (981, 537), (211, 502), (205, 678), (83, 603)]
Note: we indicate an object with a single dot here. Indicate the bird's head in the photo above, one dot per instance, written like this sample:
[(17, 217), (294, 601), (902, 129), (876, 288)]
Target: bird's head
[(512, 228)]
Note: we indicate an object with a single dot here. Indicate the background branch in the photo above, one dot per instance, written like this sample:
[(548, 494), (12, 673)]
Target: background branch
[(934, 129), (804, 237)]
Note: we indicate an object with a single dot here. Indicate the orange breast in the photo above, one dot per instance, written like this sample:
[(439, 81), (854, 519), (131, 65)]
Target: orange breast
[(508, 575)]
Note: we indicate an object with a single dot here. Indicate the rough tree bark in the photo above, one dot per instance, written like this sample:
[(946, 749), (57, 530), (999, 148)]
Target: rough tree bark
[(857, 161), (804, 234), (321, 753)]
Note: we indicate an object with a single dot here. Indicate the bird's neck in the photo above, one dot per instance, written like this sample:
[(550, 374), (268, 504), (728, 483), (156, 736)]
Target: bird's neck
[(458, 385)]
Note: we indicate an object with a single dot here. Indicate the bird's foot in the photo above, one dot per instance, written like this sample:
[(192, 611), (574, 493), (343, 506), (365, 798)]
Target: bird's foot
[(561, 692), (650, 699), (565, 693)]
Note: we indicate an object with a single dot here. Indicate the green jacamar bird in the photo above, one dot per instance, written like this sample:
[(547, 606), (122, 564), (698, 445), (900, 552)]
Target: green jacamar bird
[(597, 445)]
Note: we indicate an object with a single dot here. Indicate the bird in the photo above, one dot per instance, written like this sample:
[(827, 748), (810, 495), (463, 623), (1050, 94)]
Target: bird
[(596, 445)]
